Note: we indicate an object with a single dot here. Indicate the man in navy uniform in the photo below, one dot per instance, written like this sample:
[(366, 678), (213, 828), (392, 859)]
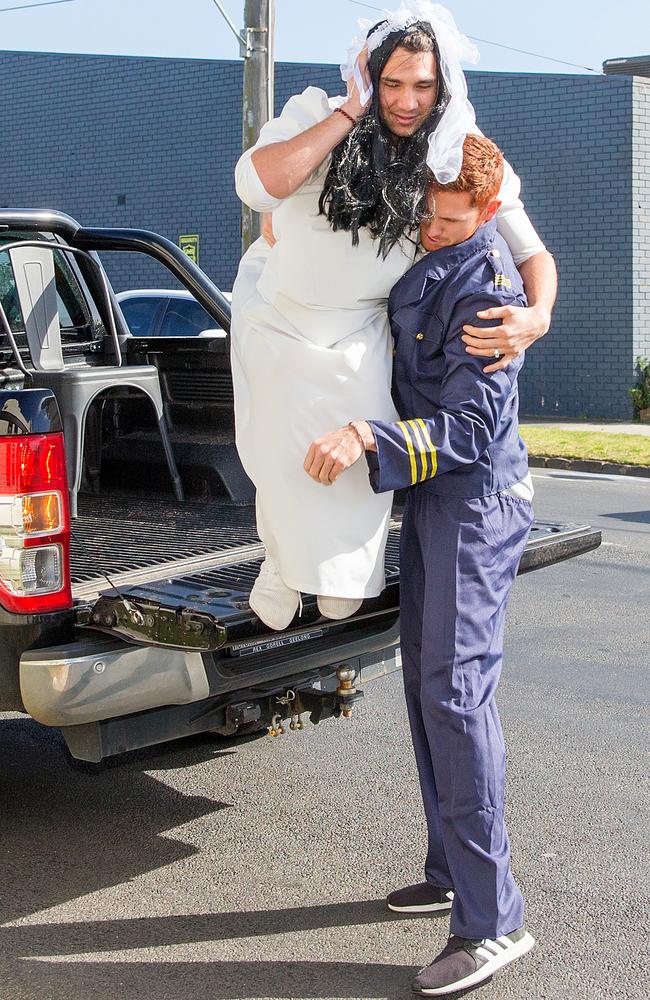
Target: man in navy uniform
[(466, 520)]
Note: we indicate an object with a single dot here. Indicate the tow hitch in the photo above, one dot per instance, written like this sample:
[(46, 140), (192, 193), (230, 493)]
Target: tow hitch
[(150, 624), (320, 704)]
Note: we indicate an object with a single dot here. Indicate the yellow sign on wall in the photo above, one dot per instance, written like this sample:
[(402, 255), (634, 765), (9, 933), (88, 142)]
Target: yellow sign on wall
[(189, 244)]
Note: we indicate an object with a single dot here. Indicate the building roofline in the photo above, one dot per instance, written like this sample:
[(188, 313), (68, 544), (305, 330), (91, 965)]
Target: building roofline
[(618, 60), (239, 62)]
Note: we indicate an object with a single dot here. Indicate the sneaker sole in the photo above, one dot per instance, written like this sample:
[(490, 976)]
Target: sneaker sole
[(491, 966), (421, 908)]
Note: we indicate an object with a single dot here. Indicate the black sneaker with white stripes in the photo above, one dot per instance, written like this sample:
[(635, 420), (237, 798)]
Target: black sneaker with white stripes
[(420, 898), (464, 963)]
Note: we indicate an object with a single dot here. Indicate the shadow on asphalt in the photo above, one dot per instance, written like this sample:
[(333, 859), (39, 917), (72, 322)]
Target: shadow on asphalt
[(155, 932), (64, 835), (215, 980), (635, 516)]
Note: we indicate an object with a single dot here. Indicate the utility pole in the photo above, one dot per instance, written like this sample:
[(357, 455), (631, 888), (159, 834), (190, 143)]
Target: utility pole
[(256, 43), (257, 104)]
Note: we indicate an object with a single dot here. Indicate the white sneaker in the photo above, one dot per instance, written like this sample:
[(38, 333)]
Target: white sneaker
[(465, 962), (271, 599), (338, 607)]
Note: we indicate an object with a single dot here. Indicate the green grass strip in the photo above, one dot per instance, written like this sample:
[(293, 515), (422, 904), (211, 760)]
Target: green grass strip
[(551, 442)]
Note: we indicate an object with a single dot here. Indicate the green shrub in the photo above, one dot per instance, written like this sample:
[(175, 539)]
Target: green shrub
[(641, 392)]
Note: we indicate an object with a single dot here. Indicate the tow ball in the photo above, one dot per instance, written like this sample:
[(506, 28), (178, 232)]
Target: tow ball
[(346, 692)]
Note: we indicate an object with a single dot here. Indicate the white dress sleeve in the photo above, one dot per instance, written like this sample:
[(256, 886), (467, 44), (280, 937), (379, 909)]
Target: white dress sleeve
[(299, 114), (512, 221)]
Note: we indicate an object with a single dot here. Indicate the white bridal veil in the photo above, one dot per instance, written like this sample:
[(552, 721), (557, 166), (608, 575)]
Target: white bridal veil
[(445, 156)]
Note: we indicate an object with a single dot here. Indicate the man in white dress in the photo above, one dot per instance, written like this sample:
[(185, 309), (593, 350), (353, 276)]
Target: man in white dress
[(345, 179)]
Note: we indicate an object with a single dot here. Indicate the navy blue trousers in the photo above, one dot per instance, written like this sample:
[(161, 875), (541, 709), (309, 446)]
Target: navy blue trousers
[(459, 559)]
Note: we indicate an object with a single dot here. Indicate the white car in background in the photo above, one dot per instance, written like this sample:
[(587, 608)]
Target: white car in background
[(160, 312)]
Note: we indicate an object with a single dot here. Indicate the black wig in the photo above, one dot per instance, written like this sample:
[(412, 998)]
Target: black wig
[(376, 179)]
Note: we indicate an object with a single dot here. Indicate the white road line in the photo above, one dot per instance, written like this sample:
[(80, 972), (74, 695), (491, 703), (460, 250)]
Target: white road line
[(597, 476)]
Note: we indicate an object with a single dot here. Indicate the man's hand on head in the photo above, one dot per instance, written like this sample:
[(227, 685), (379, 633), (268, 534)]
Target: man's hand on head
[(519, 328), (353, 105), (332, 454)]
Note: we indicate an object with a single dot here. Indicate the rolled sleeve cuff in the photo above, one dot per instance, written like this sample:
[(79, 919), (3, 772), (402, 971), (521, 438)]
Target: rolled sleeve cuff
[(249, 187), (520, 235)]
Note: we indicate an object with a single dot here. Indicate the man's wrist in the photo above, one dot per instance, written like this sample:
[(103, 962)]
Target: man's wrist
[(342, 122), (363, 431), (347, 113), (544, 315), (354, 109)]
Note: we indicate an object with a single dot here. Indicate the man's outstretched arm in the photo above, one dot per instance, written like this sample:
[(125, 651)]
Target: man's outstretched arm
[(519, 327)]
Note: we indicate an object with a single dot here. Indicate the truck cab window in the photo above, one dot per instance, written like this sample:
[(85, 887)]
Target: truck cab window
[(8, 295), (78, 328), (73, 311), (185, 319)]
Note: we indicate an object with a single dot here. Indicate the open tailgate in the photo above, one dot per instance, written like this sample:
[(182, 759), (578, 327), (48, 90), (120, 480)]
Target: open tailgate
[(200, 602)]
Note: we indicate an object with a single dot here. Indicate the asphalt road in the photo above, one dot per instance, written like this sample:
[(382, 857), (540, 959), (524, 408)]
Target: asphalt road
[(203, 871)]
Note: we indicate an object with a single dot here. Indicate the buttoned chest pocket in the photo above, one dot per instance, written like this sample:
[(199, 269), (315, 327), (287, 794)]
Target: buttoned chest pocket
[(418, 341)]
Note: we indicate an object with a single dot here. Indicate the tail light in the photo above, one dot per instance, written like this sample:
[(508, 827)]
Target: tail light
[(34, 524)]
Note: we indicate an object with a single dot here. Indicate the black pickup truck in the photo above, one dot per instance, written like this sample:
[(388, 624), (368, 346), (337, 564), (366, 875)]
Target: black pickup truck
[(128, 624)]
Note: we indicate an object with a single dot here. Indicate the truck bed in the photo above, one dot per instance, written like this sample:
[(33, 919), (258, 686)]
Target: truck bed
[(130, 538), (130, 542)]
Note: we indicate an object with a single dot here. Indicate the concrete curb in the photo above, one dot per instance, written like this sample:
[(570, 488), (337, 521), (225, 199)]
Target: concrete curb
[(580, 465)]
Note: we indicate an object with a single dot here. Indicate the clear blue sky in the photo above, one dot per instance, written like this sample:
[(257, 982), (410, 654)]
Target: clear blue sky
[(579, 31)]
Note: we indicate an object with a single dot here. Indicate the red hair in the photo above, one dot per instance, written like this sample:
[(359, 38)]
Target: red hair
[(481, 174)]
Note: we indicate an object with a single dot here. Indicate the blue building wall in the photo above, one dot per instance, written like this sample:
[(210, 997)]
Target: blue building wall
[(85, 133), (570, 140)]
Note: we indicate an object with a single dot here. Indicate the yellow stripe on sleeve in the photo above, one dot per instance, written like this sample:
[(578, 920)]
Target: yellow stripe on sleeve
[(430, 445), (421, 449), (409, 447)]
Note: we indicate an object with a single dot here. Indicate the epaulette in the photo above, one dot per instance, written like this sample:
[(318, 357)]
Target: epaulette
[(501, 280)]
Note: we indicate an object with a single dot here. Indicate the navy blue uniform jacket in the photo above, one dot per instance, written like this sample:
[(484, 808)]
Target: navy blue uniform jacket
[(459, 433)]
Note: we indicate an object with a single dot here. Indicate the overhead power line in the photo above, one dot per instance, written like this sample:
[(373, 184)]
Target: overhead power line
[(499, 45), (238, 34), (525, 52), (27, 6)]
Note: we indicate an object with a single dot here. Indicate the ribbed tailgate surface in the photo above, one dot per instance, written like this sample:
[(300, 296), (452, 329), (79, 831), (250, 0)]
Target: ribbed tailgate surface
[(118, 535)]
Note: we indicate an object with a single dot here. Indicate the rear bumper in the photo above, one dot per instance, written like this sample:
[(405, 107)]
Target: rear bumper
[(19, 633), (98, 678), (102, 678), (93, 679)]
